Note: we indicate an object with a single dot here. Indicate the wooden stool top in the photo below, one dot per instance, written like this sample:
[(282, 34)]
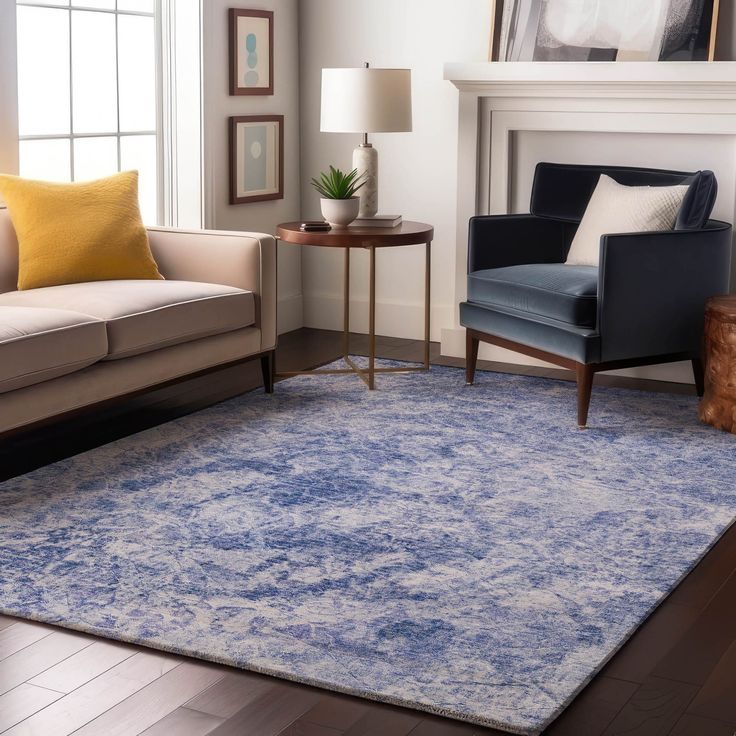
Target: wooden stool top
[(722, 308)]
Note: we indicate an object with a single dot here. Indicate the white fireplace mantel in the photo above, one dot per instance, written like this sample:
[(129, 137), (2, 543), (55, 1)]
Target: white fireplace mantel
[(596, 79), (679, 115)]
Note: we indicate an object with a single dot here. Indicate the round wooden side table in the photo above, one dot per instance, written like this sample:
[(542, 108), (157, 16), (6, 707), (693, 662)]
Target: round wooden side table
[(718, 406), (371, 239)]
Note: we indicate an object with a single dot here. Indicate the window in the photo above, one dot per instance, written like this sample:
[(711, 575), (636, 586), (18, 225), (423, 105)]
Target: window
[(87, 92)]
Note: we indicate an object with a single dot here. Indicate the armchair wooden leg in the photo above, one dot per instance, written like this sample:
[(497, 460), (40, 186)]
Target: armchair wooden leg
[(699, 374), (585, 374), (471, 356), (267, 368)]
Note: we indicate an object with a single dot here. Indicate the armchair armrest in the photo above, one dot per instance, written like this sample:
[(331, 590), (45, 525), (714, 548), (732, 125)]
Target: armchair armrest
[(243, 260), (652, 289), (496, 241)]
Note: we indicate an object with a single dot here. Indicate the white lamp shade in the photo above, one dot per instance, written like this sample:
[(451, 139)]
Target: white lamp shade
[(361, 100)]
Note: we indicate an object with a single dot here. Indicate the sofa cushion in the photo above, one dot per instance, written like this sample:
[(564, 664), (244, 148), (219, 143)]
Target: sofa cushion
[(146, 315), (615, 208), (699, 201), (83, 231), (555, 290), (40, 344)]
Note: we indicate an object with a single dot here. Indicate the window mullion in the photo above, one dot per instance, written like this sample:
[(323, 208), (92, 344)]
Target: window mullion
[(71, 98), (117, 86)]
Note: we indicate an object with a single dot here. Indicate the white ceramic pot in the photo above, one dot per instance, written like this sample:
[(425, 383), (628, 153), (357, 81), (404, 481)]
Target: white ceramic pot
[(340, 212)]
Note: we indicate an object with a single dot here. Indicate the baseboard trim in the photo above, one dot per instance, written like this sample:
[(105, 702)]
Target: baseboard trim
[(290, 314), (393, 319)]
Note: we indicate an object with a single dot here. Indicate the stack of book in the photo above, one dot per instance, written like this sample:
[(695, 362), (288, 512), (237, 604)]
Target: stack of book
[(377, 221)]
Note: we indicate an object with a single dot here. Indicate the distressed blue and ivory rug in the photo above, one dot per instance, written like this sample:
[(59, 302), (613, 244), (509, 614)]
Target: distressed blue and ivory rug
[(463, 550)]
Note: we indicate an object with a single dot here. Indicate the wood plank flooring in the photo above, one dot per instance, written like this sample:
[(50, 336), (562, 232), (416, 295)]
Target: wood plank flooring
[(675, 677)]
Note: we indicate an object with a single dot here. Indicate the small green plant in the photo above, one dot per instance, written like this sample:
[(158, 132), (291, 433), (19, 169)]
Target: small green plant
[(335, 184)]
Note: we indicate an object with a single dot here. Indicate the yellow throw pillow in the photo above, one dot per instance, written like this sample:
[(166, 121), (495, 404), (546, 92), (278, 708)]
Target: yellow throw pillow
[(86, 231)]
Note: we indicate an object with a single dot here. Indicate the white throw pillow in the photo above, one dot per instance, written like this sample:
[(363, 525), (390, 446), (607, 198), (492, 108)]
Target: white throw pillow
[(615, 208)]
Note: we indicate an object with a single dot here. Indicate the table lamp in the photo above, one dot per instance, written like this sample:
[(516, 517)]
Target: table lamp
[(366, 100)]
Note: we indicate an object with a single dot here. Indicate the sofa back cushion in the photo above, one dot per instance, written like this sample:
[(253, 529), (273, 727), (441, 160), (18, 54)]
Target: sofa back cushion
[(8, 253)]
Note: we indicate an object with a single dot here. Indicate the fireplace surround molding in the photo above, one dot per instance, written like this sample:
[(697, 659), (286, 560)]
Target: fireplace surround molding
[(500, 102)]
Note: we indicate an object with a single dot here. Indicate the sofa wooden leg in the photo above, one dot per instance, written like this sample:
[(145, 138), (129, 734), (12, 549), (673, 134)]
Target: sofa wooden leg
[(699, 374), (585, 374), (471, 356), (267, 368)]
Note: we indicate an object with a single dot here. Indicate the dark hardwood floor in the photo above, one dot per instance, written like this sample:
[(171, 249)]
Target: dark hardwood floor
[(675, 677)]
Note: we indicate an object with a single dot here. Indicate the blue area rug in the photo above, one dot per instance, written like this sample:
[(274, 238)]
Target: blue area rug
[(463, 550)]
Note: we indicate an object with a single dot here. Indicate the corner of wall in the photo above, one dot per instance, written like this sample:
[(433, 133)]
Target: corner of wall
[(219, 106), (8, 89)]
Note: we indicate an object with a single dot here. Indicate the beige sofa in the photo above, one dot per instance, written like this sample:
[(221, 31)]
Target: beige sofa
[(67, 347)]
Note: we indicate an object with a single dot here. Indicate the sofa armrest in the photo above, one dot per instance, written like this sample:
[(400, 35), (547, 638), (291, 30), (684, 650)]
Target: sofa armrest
[(496, 241), (652, 289), (243, 260)]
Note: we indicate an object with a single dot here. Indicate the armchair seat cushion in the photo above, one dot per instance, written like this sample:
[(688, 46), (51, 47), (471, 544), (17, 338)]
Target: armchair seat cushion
[(144, 315), (553, 290)]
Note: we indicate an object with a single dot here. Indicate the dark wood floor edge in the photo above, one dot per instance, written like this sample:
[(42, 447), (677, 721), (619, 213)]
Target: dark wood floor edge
[(625, 639), (312, 683)]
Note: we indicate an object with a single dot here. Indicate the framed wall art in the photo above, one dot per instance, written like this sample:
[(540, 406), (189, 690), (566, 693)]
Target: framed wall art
[(601, 30), (256, 158), (251, 52)]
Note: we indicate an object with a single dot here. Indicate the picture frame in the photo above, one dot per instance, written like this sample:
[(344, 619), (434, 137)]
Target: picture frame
[(589, 30), (251, 51), (494, 50), (256, 158)]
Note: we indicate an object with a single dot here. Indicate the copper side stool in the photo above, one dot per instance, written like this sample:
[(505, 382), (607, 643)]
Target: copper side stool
[(718, 406)]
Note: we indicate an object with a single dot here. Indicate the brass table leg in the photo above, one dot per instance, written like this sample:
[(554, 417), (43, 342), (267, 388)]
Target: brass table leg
[(427, 306), (368, 375), (346, 308), (372, 324)]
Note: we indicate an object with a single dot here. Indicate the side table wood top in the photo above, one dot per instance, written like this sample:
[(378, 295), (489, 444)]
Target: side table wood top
[(407, 233)]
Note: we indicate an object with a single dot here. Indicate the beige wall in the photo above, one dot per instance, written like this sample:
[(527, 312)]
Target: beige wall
[(8, 90), (219, 105), (418, 170)]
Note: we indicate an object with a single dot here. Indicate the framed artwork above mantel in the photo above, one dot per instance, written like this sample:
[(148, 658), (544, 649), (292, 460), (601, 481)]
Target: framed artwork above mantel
[(251, 51), (601, 30)]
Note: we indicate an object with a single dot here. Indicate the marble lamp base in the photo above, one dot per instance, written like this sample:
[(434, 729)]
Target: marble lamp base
[(365, 160)]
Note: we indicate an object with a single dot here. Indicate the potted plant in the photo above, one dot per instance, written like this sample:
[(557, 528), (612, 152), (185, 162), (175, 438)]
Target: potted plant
[(340, 206)]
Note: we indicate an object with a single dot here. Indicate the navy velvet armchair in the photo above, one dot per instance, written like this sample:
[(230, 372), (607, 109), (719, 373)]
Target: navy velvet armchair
[(644, 303)]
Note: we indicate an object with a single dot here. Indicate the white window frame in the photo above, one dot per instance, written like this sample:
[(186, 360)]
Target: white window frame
[(179, 108), (117, 134), (181, 95)]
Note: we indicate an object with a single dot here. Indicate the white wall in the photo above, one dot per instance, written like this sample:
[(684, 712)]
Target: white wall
[(8, 90), (219, 105), (418, 171)]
